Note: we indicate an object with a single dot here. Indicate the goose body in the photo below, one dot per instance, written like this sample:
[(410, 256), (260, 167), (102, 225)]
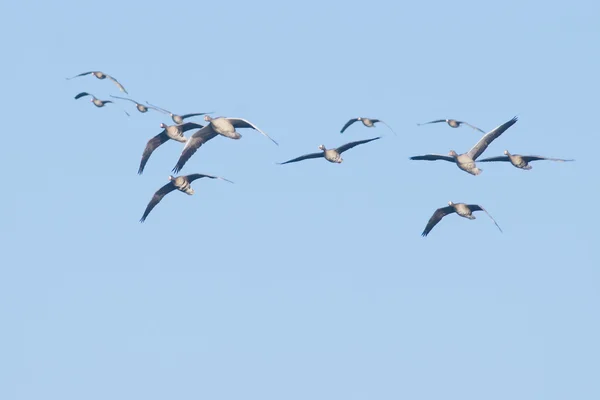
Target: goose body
[(181, 183), (368, 122), (97, 102), (453, 124), (462, 209), (331, 155), (519, 161), (466, 161), (102, 75)]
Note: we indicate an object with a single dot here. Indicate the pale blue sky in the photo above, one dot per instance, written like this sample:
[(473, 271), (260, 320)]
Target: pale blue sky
[(308, 280)]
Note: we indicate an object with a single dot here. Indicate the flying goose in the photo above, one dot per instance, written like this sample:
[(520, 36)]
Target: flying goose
[(102, 75), (462, 209), (178, 119), (174, 132), (368, 122), (331, 155), (453, 123), (141, 108), (97, 102), (466, 161), (520, 161), (216, 126), (227, 127), (181, 183)]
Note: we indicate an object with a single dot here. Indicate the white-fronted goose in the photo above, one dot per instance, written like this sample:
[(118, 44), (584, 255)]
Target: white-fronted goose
[(368, 122), (331, 155), (462, 209), (216, 126), (174, 132), (178, 119), (453, 123), (97, 102), (226, 126), (466, 161), (181, 183), (102, 75), (140, 107), (520, 161)]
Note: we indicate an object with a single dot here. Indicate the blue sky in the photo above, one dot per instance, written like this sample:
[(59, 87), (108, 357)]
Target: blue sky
[(308, 280)]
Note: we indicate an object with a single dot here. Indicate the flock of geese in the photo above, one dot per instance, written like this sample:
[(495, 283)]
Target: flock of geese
[(227, 127)]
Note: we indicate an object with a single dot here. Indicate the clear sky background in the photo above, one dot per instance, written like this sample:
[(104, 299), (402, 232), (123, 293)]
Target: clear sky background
[(308, 280)]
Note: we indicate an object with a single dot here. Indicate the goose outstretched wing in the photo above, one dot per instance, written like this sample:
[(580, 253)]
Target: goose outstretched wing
[(242, 123), (193, 177), (304, 157), (150, 147), (350, 145), (537, 158), (350, 122), (488, 138), (476, 207), (193, 144), (492, 159), (158, 196), (433, 157), (437, 217)]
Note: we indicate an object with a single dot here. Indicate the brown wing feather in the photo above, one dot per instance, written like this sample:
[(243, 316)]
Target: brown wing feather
[(160, 193), (192, 145), (488, 138), (538, 158), (491, 159), (433, 157), (437, 217), (304, 157), (193, 177), (150, 147), (121, 87), (350, 145), (477, 207), (350, 122)]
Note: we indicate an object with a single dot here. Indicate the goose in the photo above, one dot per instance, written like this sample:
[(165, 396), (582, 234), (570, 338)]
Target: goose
[(462, 209), (102, 75), (178, 119), (97, 102), (331, 155), (174, 132), (453, 123), (226, 126), (181, 183), (140, 107), (368, 122), (216, 126), (520, 161), (466, 161)]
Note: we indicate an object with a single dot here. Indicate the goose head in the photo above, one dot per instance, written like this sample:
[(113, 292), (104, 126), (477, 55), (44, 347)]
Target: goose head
[(322, 147), (208, 118), (450, 203), (452, 153), (506, 153), (163, 125), (171, 177)]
